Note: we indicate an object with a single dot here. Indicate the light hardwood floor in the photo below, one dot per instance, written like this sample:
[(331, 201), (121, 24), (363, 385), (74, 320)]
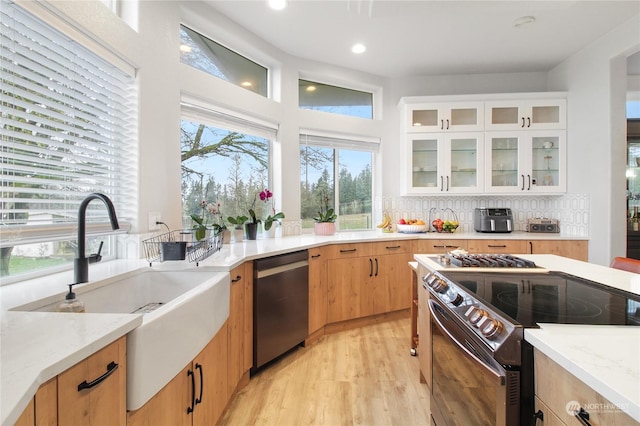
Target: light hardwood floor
[(364, 376)]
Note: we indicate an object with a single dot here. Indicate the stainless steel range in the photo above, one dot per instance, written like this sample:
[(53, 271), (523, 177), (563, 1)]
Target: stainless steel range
[(482, 369)]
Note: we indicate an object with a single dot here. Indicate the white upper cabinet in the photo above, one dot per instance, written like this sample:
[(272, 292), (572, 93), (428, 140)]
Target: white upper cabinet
[(496, 143), (445, 117), (526, 115), (444, 163), (526, 162)]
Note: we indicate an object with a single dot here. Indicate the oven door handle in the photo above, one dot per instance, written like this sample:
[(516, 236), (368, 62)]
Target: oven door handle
[(497, 376)]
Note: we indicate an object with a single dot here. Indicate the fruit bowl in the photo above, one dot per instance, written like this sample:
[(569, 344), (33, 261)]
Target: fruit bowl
[(450, 228), (411, 229)]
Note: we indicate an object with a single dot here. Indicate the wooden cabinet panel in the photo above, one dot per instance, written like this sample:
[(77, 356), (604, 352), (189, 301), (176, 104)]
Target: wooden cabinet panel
[(28, 416), (574, 249), (102, 404), (240, 324), (347, 290), (341, 251), (317, 289), (555, 387), (212, 390), (498, 246), (169, 406), (439, 246), (43, 407), (550, 419), (424, 334), (204, 380), (392, 288)]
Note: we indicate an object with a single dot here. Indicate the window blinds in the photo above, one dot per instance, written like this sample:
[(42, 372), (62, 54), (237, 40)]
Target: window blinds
[(329, 140), (68, 128)]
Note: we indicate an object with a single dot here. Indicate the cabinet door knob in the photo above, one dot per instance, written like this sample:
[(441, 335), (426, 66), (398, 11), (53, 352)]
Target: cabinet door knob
[(110, 369)]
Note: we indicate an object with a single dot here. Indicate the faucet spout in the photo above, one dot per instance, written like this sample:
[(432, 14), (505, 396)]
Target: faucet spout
[(81, 262)]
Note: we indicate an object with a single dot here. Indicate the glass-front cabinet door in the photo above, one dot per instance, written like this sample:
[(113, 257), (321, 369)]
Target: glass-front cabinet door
[(423, 163), (444, 164), (526, 115), (454, 117), (526, 162), (465, 163)]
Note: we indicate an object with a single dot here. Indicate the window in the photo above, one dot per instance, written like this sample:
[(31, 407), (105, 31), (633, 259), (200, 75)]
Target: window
[(333, 99), (206, 55), (225, 161), (66, 132), (341, 169)]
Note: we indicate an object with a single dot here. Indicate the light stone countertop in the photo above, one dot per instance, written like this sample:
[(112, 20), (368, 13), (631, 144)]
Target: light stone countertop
[(606, 358), (37, 346), (36, 353)]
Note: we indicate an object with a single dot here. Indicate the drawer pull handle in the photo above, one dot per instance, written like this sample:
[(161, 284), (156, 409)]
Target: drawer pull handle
[(110, 369), (392, 247), (348, 250), (315, 256), (583, 417), (496, 246), (236, 279)]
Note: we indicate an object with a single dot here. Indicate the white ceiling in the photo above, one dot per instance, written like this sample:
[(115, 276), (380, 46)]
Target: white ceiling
[(431, 37)]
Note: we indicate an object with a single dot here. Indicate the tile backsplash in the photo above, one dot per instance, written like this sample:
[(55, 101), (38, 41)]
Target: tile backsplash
[(572, 210)]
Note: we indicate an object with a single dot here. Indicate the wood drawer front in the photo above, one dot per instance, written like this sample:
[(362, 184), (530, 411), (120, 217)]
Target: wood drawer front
[(550, 418), (439, 246), (392, 247), (340, 251), (498, 246), (556, 387), (105, 403)]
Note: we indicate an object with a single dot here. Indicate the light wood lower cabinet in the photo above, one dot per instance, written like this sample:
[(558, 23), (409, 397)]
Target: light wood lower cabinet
[(317, 289), (196, 396), (439, 246), (368, 279), (559, 392), (574, 249), (92, 392), (240, 342), (424, 333), (498, 246), (43, 407)]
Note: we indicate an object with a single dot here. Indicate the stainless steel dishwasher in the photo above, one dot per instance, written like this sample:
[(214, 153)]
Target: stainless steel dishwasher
[(280, 305)]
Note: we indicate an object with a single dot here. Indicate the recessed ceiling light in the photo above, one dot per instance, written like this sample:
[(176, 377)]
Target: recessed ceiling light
[(277, 4), (246, 84), (310, 88), (184, 48), (358, 48), (524, 20)]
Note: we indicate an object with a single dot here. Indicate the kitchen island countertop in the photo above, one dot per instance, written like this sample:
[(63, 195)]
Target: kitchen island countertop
[(606, 358)]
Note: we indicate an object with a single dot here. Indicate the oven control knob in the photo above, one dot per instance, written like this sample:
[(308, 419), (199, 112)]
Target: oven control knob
[(457, 301), (475, 314), (439, 285), (492, 329)]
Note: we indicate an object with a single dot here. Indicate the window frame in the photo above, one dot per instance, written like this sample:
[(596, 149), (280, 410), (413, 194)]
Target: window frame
[(337, 141)]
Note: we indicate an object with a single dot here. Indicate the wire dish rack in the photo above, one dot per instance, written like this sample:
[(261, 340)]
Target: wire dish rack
[(168, 246)]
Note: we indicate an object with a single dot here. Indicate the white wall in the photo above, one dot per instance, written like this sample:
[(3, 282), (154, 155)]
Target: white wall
[(595, 78), (153, 50)]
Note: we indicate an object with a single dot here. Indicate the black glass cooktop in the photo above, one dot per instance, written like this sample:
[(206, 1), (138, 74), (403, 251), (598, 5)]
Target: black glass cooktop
[(553, 297)]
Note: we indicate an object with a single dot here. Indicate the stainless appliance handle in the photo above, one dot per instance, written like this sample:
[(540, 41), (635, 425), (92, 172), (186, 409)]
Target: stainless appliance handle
[(282, 268), (498, 377)]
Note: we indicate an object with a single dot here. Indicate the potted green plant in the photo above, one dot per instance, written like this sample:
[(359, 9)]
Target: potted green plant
[(325, 221), (251, 227), (237, 222), (267, 196), (200, 227)]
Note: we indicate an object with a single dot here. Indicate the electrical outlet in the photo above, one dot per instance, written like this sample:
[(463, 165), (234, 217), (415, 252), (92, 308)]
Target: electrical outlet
[(153, 218)]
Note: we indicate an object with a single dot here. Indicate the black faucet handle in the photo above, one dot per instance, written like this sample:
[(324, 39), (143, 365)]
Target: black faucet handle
[(96, 257)]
